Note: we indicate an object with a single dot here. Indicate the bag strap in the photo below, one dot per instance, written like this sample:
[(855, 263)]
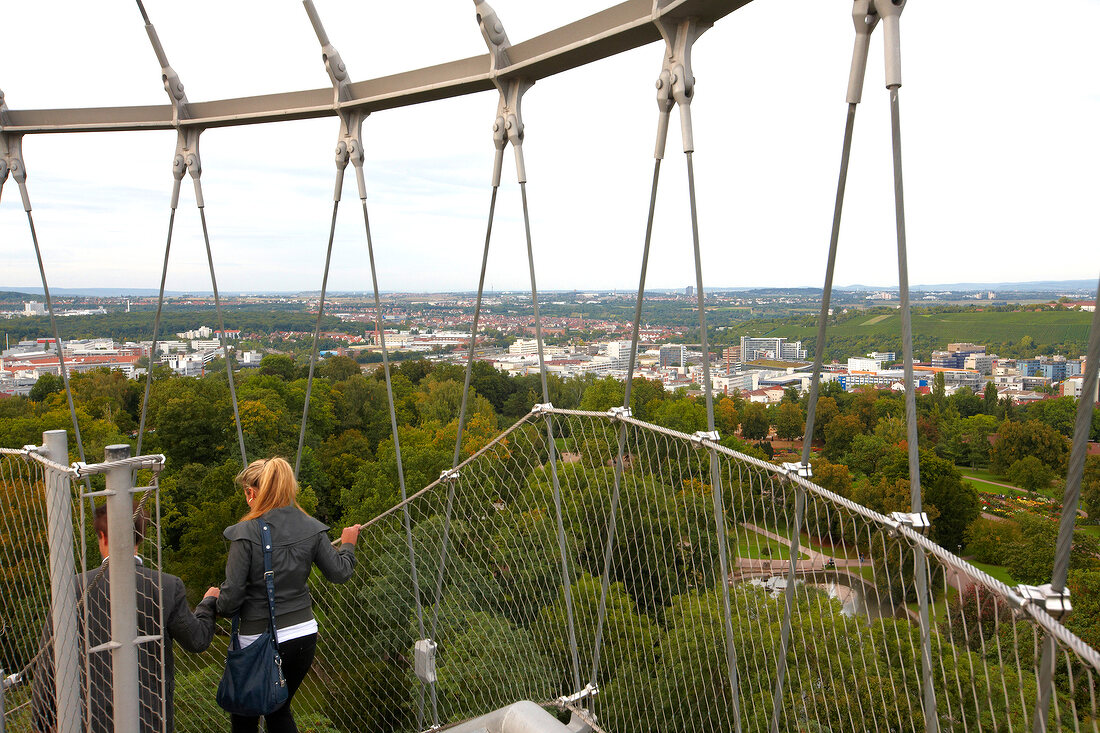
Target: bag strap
[(269, 575)]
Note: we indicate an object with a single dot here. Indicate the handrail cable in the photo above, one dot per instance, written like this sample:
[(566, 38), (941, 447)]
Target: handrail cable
[(1070, 500), (349, 149)]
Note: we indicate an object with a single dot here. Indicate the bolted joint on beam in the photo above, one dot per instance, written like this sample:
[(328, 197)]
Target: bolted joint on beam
[(618, 413), (916, 521), (1055, 603), (187, 161), (542, 408), (11, 157), (424, 654), (702, 436), (334, 64), (172, 84), (798, 469)]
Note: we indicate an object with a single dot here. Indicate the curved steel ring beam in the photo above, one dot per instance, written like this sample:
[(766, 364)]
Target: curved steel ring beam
[(619, 28)]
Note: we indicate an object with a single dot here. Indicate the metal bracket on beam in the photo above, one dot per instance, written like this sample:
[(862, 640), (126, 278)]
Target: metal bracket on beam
[(542, 408), (676, 84), (705, 435), (337, 71), (619, 412), (187, 160), (11, 157), (917, 521), (1054, 603), (508, 125), (798, 469)]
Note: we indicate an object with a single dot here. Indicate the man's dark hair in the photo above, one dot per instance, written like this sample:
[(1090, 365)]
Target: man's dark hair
[(141, 519)]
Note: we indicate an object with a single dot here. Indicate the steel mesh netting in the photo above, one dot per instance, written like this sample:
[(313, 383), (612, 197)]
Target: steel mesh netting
[(26, 629), (499, 616)]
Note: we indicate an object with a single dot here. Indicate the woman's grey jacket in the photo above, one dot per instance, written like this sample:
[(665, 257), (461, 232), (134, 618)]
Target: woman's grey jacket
[(298, 542)]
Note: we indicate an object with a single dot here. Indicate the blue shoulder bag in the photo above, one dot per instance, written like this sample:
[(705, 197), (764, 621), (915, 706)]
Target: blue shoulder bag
[(253, 682)]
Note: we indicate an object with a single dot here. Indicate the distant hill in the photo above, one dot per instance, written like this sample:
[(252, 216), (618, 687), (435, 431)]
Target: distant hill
[(1032, 286)]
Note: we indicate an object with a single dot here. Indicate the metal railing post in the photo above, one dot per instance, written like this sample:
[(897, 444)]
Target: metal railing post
[(3, 710), (123, 588), (59, 522)]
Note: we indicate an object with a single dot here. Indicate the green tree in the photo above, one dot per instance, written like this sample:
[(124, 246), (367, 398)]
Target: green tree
[(1030, 474), (279, 365), (1016, 440), (839, 434), (1031, 560), (988, 540), (754, 421), (337, 368), (789, 421), (47, 384)]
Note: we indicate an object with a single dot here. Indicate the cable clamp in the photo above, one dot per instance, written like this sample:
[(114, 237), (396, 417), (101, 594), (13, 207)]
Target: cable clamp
[(619, 412), (589, 690), (916, 521), (542, 408), (1056, 604), (424, 653), (448, 474), (12, 680), (798, 469), (38, 450), (705, 435)]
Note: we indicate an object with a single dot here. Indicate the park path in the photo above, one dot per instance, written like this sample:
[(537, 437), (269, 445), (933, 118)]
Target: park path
[(815, 556)]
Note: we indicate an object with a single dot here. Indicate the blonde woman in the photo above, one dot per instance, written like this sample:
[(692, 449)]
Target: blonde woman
[(298, 542)]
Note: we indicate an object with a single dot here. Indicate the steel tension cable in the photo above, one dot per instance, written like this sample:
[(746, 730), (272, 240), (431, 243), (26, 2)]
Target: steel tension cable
[(11, 162), (349, 149), (186, 161)]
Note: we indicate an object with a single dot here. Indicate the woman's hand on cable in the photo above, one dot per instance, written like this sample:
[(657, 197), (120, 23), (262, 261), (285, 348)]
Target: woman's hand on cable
[(212, 592), (350, 535)]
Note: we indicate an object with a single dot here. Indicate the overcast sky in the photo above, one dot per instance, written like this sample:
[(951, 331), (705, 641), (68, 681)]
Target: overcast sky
[(1000, 112)]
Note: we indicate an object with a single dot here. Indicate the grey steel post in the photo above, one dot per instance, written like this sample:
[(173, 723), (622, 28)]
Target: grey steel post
[(3, 710), (59, 524), (123, 588)]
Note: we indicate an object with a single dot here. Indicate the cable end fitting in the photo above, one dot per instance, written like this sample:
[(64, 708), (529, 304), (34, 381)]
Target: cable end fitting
[(865, 18), (798, 469), (1055, 603), (890, 12), (618, 413), (705, 436), (916, 521)]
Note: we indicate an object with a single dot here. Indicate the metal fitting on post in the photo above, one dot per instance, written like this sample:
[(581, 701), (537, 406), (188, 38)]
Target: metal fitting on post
[(589, 690), (676, 83), (1056, 604), (619, 412), (865, 18), (705, 435), (798, 469), (187, 160), (890, 12), (508, 125), (916, 521)]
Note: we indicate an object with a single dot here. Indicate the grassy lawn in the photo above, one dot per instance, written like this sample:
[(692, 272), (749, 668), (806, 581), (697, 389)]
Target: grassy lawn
[(1000, 572), (1089, 529), (984, 481), (753, 545)]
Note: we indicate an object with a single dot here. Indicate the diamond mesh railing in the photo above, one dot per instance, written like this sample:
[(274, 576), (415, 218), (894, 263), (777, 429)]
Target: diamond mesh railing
[(499, 613)]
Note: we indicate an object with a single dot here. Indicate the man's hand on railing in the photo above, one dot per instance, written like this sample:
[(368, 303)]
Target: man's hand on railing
[(212, 592)]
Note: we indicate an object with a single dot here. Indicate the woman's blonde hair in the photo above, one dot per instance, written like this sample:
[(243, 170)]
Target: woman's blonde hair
[(274, 482)]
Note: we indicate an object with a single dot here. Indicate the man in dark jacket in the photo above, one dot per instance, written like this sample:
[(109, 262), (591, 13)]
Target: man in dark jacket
[(193, 631)]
